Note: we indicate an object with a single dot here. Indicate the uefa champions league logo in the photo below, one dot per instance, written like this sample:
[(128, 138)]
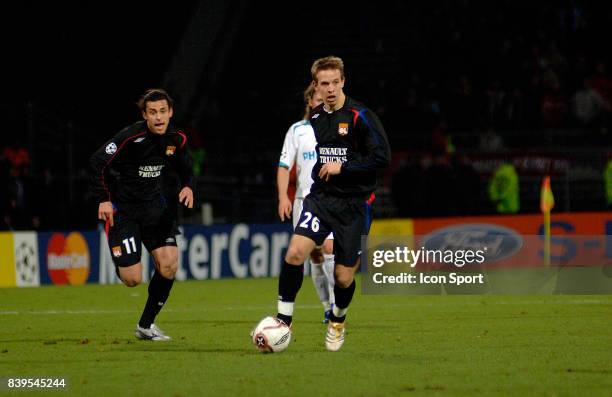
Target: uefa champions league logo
[(27, 264)]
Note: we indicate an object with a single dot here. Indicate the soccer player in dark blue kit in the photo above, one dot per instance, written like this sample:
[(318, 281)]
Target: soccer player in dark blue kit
[(126, 181), (351, 148)]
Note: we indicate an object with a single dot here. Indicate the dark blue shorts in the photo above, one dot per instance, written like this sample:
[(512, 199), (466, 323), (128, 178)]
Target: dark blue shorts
[(347, 217), (151, 224)]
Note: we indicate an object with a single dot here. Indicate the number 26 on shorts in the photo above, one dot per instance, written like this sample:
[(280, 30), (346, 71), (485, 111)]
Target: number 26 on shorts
[(314, 222)]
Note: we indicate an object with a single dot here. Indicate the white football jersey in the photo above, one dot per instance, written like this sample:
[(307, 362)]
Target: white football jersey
[(299, 149)]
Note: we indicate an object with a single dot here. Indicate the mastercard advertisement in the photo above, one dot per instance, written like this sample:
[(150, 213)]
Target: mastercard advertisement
[(68, 258)]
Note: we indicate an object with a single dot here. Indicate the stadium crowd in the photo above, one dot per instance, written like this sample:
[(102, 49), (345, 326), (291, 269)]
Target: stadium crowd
[(444, 78)]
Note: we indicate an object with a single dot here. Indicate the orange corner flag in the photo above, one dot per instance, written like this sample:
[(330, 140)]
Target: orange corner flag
[(547, 200)]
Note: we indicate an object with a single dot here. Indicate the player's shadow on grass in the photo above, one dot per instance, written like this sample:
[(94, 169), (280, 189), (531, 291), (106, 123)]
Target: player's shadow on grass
[(63, 360), (375, 327), (589, 371), (225, 322), (43, 341), (216, 322), (171, 349)]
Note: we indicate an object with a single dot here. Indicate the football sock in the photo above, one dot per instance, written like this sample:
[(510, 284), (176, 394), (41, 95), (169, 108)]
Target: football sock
[(328, 269), (319, 279), (343, 300), (289, 283), (159, 290)]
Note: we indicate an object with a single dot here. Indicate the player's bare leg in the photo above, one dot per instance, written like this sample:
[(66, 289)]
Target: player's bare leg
[(166, 260), (131, 276), (328, 269), (166, 265), (292, 275)]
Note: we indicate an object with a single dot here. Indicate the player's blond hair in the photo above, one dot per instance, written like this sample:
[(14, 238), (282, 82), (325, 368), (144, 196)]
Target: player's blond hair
[(328, 63)]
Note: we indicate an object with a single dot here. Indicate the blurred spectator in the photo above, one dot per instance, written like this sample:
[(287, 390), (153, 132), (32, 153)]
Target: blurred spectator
[(4, 194), (197, 151), (19, 211), (441, 187), (504, 190), (494, 97), (587, 104), (554, 107), (469, 193), (602, 84), (408, 187), (463, 107), (432, 104), (18, 158), (554, 63), (513, 111), (491, 141), (608, 183)]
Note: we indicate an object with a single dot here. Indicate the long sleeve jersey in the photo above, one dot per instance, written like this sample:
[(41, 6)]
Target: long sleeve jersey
[(354, 136), (128, 168)]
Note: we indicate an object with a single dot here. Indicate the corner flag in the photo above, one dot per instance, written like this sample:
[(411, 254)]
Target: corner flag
[(547, 200)]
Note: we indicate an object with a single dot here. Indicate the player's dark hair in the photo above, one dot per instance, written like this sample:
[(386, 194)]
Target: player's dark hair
[(328, 63), (154, 95), (308, 95)]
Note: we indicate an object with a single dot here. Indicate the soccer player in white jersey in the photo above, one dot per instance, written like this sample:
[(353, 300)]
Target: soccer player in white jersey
[(299, 150)]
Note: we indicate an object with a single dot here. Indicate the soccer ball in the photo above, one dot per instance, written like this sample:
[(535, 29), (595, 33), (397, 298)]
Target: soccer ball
[(271, 335)]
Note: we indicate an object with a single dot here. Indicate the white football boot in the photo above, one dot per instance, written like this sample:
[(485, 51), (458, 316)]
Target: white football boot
[(334, 338), (154, 333)]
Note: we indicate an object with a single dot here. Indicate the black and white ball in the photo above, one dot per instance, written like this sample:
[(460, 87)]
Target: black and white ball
[(271, 335)]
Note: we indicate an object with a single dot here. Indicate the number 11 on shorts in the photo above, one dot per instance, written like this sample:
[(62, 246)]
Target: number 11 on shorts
[(127, 242)]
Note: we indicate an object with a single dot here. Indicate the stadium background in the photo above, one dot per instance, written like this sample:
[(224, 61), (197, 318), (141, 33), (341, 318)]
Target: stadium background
[(462, 87)]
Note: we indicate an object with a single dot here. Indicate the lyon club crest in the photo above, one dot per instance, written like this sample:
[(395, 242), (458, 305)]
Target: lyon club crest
[(117, 251), (343, 128)]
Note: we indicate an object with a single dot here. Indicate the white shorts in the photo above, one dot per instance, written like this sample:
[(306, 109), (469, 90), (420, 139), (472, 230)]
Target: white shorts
[(298, 203)]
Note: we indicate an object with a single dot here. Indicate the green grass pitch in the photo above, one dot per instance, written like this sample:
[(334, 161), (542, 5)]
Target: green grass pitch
[(396, 345)]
